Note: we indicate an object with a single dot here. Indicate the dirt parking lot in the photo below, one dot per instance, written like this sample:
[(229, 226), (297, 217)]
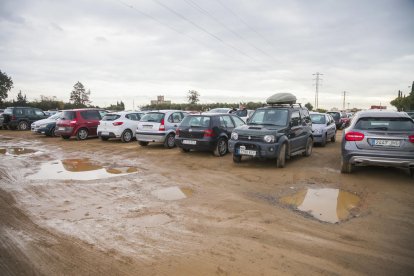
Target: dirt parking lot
[(108, 208)]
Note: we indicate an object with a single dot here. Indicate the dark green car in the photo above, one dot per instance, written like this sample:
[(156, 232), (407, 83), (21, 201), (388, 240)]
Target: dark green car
[(21, 117)]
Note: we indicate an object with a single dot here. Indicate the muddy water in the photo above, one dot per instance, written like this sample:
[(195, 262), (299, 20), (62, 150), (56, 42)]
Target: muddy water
[(15, 151), (328, 205), (173, 193), (78, 169)]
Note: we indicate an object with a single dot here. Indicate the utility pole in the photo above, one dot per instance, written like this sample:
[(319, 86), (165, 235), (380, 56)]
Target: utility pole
[(343, 105), (317, 79)]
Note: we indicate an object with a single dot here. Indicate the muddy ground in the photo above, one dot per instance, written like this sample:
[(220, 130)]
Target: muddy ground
[(175, 213)]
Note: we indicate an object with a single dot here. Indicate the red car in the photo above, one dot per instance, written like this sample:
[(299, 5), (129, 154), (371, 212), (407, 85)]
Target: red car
[(81, 123)]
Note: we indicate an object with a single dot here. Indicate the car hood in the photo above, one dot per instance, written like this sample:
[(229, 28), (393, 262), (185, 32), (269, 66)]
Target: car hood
[(260, 130), (44, 121), (318, 126)]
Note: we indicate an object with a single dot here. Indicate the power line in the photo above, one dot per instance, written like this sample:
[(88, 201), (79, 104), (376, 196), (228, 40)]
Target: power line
[(317, 80)]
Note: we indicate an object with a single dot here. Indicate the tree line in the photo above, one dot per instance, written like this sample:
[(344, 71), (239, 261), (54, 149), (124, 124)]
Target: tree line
[(403, 102)]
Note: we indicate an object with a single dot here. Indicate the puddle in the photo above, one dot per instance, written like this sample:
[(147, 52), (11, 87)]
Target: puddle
[(173, 193), (78, 169), (328, 205), (16, 151), (5, 138)]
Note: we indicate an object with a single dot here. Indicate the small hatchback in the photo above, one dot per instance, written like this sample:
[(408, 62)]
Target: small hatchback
[(207, 132), (159, 127), (379, 138), (323, 128), (82, 123), (119, 125)]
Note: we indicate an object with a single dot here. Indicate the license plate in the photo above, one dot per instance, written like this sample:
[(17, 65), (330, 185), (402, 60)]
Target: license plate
[(387, 143), (244, 151), (61, 128), (147, 127), (104, 133), (189, 142)]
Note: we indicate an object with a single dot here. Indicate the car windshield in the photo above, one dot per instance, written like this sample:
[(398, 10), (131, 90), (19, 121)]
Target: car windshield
[(111, 117), (241, 113), (196, 121), (270, 116), (393, 124), (56, 116), (318, 119), (155, 117), (68, 115), (335, 115)]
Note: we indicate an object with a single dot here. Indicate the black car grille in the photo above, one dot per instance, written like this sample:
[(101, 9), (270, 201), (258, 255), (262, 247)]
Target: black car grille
[(250, 138)]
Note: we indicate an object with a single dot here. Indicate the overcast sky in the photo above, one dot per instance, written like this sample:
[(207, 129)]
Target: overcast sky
[(229, 51)]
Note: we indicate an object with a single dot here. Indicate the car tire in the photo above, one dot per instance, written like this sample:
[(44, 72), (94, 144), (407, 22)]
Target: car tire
[(143, 143), (281, 158), (23, 125), (333, 138), (323, 143), (126, 136), (237, 158), (221, 147), (308, 149), (169, 142), (103, 138), (65, 137), (185, 150), (346, 167), (82, 134)]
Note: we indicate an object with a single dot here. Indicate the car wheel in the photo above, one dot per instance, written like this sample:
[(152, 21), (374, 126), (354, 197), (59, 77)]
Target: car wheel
[(82, 134), (126, 136), (346, 167), (333, 138), (169, 141), (308, 149), (185, 150), (65, 137), (104, 138), (237, 158), (143, 144), (221, 147), (51, 132), (23, 125), (323, 143), (281, 159)]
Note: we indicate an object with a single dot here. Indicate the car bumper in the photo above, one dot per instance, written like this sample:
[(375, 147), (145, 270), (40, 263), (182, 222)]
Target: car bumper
[(64, 131), (108, 134), (200, 144), (318, 138), (150, 137), (387, 159), (39, 130), (263, 150)]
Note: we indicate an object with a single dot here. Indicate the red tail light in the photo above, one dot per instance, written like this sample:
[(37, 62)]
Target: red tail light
[(208, 133), (117, 123), (411, 138), (354, 136), (162, 126)]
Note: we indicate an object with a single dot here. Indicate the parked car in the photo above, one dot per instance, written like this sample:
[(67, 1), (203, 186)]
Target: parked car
[(46, 126), (21, 117), (278, 131), (159, 127), (341, 119), (52, 112), (210, 132), (379, 138), (244, 114), (323, 128), (81, 123), (411, 114), (119, 125), (221, 110)]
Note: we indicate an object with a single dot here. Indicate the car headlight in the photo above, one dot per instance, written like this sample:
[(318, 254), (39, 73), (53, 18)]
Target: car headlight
[(269, 138), (234, 136)]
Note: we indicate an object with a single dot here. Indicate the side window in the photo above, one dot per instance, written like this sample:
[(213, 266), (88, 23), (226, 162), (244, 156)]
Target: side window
[(30, 112), (132, 116), (295, 118), (39, 112), (94, 115), (84, 115), (18, 111), (238, 121), (227, 121), (176, 117)]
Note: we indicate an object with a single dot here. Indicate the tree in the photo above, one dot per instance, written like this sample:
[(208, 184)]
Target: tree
[(79, 96), (6, 84), (193, 97), (309, 106), (21, 100), (402, 103)]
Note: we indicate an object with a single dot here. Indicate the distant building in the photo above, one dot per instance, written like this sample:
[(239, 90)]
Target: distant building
[(160, 100), (378, 107)]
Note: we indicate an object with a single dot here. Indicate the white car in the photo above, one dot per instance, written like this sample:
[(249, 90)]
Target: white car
[(119, 125)]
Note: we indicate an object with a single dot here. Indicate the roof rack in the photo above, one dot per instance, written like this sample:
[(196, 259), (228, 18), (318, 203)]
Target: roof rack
[(284, 105)]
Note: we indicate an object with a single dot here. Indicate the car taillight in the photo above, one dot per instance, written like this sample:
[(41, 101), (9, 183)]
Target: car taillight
[(411, 138), (117, 123), (354, 136), (208, 133), (162, 126)]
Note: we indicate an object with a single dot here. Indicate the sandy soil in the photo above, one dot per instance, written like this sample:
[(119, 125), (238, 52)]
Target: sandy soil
[(195, 214)]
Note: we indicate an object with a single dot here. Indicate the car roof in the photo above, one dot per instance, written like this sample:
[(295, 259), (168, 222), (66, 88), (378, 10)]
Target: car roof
[(317, 113), (382, 114)]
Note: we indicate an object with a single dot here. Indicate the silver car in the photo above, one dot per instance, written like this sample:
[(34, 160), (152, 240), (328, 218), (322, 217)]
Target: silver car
[(323, 128), (379, 138), (159, 127)]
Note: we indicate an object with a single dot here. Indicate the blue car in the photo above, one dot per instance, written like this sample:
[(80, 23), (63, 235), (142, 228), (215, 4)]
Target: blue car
[(46, 126)]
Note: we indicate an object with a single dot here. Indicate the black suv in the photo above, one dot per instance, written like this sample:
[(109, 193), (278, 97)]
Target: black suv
[(21, 117), (277, 131), (209, 132)]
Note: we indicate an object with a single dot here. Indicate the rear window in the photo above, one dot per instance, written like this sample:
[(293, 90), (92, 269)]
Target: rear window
[(335, 115), (393, 124), (111, 117), (8, 111), (196, 121), (68, 115), (155, 117)]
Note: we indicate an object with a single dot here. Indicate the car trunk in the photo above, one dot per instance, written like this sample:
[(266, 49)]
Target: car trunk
[(107, 122), (67, 120), (151, 122), (388, 141), (192, 132)]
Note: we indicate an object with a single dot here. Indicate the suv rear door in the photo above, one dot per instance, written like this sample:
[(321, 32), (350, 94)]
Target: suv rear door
[(92, 118)]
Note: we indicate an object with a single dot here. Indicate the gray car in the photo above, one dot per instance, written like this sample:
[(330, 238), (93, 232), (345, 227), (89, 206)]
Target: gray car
[(323, 128), (379, 138), (159, 127)]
